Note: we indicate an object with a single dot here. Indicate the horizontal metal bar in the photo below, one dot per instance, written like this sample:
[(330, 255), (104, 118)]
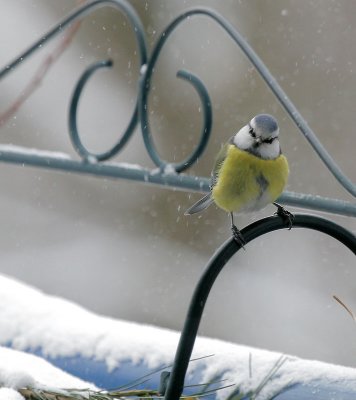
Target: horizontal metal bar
[(62, 161), (318, 203), (159, 177)]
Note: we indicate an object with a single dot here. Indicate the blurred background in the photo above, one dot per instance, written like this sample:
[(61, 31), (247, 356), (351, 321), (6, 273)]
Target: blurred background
[(125, 249)]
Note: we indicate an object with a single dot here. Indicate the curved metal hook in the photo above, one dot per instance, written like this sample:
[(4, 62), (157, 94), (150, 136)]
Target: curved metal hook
[(73, 129), (268, 78), (212, 271), (207, 118)]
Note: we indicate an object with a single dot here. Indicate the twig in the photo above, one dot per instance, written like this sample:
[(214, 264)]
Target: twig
[(353, 316), (41, 72), (250, 365), (75, 394), (275, 368)]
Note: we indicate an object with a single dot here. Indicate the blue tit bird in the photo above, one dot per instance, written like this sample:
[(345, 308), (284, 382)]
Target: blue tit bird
[(249, 173)]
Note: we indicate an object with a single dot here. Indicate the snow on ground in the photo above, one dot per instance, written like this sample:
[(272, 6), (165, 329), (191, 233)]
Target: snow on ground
[(30, 319), (9, 394), (19, 370)]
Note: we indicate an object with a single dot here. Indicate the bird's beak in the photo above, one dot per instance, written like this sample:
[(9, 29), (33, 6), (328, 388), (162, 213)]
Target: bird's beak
[(258, 141)]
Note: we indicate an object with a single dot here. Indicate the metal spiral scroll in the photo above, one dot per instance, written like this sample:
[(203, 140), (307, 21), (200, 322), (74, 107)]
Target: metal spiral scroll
[(91, 163), (216, 264)]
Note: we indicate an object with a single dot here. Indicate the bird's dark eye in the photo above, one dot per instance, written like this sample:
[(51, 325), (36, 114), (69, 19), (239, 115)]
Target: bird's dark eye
[(252, 132), (269, 141)]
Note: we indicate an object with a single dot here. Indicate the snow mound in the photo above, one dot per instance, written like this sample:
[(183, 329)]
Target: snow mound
[(31, 320)]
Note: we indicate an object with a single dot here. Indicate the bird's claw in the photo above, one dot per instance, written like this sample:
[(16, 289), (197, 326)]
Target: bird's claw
[(237, 235), (285, 215)]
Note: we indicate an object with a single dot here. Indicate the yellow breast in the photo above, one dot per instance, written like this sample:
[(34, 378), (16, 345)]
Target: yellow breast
[(248, 183)]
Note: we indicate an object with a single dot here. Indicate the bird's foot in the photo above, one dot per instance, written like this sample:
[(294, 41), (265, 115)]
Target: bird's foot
[(237, 235), (285, 215)]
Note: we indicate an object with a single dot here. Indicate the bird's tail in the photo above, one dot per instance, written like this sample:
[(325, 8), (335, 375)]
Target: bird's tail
[(200, 205)]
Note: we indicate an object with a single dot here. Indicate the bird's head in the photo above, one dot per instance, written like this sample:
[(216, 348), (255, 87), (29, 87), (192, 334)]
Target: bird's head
[(259, 137)]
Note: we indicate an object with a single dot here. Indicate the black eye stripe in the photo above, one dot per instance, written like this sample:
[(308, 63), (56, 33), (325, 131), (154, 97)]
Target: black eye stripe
[(252, 132), (269, 140)]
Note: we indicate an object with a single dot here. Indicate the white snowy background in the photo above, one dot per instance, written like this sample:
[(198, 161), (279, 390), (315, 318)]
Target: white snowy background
[(124, 249)]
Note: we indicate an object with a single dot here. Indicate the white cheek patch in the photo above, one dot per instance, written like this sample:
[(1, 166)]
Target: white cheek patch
[(243, 139), (269, 151)]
